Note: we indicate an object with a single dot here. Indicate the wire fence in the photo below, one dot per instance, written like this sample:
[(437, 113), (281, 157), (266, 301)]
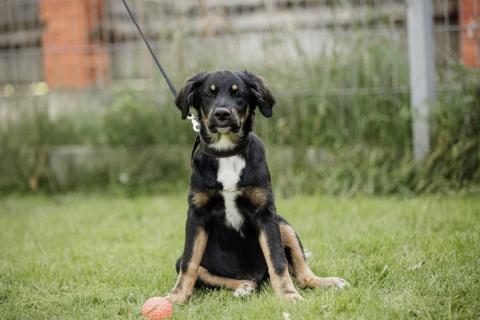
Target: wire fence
[(50, 45), (79, 92)]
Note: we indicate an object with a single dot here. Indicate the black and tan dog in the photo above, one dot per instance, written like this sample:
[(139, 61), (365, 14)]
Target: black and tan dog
[(234, 237)]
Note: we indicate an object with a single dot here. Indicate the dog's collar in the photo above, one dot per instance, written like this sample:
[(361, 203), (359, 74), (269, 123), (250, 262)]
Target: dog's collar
[(205, 149)]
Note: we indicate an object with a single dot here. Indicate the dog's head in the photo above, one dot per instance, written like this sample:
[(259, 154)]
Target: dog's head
[(225, 102)]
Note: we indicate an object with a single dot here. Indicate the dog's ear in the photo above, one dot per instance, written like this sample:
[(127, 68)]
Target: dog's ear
[(188, 94), (260, 94)]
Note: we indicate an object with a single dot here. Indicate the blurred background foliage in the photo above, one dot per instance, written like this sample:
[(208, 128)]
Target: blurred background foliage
[(319, 141)]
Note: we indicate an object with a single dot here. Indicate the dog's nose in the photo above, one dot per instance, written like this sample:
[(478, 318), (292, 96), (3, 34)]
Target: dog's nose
[(222, 114)]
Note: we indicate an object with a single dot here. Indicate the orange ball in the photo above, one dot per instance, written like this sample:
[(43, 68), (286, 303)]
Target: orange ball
[(157, 308)]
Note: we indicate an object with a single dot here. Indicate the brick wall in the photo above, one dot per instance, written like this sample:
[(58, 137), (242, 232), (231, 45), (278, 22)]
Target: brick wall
[(73, 53), (470, 20)]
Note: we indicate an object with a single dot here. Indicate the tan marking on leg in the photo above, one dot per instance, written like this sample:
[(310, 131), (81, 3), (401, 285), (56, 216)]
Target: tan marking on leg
[(304, 275), (257, 196), (299, 265), (201, 198), (241, 287), (186, 280), (282, 284)]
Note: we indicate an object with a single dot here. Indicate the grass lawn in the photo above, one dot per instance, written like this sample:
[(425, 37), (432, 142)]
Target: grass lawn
[(100, 257)]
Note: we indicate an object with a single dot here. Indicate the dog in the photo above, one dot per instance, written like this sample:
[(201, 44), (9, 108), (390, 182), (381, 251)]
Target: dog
[(234, 237)]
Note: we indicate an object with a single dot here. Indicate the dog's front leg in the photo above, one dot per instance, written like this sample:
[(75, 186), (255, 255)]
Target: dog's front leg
[(195, 243), (274, 253)]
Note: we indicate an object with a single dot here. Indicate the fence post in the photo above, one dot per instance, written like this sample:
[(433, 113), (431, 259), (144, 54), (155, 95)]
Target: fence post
[(422, 72)]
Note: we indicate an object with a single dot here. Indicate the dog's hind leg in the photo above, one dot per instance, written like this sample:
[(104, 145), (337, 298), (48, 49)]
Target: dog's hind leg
[(240, 287), (294, 251)]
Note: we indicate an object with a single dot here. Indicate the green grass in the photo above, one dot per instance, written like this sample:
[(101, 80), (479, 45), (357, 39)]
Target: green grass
[(100, 257)]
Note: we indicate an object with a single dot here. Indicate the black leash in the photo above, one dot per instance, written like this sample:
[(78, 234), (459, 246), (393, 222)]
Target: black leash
[(159, 65), (190, 116), (194, 148)]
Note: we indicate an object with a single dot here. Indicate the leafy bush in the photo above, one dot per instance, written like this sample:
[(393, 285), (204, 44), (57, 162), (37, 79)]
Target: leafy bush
[(326, 136), (131, 122)]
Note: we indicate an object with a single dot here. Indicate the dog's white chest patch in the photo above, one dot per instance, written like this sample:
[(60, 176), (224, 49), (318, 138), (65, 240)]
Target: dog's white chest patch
[(229, 171)]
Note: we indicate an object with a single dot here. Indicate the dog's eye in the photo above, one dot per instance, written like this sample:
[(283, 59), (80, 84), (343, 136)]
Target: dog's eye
[(236, 93), (212, 91)]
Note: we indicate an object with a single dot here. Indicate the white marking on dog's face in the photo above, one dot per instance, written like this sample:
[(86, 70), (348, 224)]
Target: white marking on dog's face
[(224, 143), (223, 130), (229, 172)]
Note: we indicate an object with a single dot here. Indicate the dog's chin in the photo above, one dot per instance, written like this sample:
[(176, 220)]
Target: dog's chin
[(224, 130)]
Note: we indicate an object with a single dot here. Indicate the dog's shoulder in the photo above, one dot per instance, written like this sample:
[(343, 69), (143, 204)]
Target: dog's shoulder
[(204, 172), (256, 171), (256, 148)]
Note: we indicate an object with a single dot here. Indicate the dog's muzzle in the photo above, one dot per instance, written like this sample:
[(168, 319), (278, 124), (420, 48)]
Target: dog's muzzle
[(223, 120)]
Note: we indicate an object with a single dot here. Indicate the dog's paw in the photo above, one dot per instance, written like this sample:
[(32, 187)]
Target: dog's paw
[(245, 289), (339, 283), (177, 298), (293, 296), (313, 281)]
